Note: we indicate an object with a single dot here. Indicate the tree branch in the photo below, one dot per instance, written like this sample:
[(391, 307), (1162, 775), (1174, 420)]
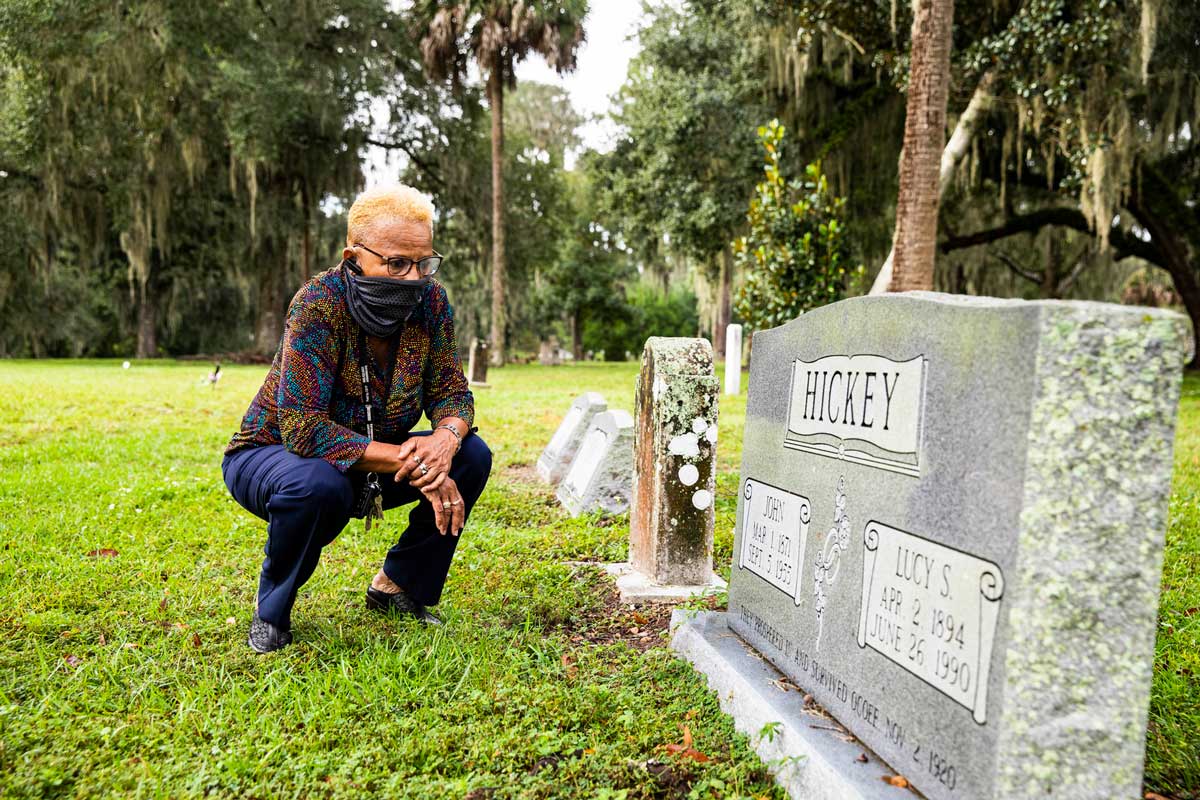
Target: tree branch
[(1017, 268), (1069, 281), (430, 171), (1125, 244)]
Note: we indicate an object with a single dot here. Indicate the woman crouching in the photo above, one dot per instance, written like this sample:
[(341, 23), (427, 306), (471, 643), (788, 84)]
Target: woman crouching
[(368, 346)]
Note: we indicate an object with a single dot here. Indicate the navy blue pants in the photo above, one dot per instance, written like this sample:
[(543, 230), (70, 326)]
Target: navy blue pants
[(307, 502)]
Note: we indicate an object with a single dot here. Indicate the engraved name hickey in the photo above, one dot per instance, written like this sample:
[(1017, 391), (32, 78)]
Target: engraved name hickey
[(836, 395)]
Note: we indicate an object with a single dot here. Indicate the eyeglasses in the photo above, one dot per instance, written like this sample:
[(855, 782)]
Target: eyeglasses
[(399, 266)]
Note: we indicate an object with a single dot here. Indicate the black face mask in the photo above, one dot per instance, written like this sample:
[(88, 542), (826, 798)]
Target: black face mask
[(380, 305)]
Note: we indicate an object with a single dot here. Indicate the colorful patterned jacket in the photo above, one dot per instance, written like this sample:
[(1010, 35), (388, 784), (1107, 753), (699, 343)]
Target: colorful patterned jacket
[(311, 399)]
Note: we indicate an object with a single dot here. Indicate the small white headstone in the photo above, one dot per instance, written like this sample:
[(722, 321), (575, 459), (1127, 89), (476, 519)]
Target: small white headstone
[(563, 446), (733, 359), (601, 476)]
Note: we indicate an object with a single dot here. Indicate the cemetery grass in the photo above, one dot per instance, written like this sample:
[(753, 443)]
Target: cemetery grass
[(123, 560), (127, 578)]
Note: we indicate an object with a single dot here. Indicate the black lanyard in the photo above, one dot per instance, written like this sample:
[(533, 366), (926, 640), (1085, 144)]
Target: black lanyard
[(364, 375), (371, 505)]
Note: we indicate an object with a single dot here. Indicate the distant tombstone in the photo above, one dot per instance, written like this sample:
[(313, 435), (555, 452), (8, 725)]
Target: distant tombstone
[(478, 364), (950, 531), (563, 446), (601, 476), (733, 359), (548, 353), (671, 524)]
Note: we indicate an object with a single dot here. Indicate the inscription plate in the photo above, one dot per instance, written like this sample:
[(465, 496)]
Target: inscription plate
[(932, 610), (774, 533), (863, 408)]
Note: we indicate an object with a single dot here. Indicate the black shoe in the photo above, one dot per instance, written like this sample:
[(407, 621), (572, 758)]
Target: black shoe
[(400, 603), (265, 637)]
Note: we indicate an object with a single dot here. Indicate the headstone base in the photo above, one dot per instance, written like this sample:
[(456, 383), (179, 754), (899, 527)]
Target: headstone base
[(807, 753), (637, 588)]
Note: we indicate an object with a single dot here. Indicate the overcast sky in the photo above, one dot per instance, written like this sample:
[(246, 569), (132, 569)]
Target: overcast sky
[(603, 65)]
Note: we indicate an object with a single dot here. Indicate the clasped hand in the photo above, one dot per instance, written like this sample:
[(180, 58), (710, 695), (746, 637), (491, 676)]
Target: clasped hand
[(435, 452)]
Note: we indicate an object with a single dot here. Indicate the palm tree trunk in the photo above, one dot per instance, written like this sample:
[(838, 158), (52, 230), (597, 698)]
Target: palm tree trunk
[(915, 240), (496, 101), (956, 149), (272, 298), (147, 339), (724, 301), (577, 334)]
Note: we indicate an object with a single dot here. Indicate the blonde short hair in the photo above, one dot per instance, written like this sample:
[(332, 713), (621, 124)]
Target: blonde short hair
[(383, 203)]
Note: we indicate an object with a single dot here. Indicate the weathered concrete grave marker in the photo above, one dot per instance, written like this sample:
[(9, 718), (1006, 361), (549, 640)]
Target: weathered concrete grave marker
[(477, 364), (950, 532), (601, 475), (733, 359), (671, 524), (564, 445), (549, 354)]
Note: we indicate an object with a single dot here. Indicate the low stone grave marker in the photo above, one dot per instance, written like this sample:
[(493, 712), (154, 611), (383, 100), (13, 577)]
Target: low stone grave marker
[(478, 363), (601, 475), (950, 530), (671, 523), (563, 446), (549, 353), (733, 359)]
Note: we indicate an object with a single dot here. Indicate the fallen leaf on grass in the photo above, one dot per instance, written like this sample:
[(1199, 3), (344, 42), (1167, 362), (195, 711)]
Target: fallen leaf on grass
[(103, 641), (895, 780), (640, 618), (569, 665), (103, 552), (162, 604), (71, 660), (685, 750), (195, 640)]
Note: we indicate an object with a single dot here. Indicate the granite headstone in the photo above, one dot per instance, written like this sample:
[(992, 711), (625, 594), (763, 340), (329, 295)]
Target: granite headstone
[(561, 450), (950, 530), (601, 476)]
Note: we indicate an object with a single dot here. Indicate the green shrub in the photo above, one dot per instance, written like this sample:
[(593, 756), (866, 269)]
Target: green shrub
[(795, 256)]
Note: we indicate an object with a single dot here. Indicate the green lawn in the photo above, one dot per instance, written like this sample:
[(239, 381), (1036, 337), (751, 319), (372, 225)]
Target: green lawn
[(128, 674)]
